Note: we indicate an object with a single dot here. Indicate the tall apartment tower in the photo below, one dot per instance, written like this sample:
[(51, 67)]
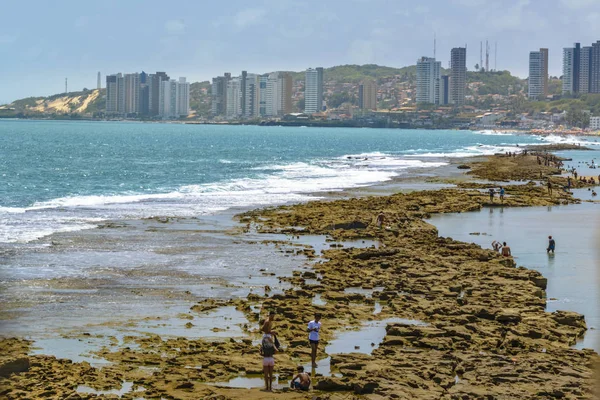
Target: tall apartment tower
[(234, 97), (99, 84), (595, 68), (132, 93), (313, 90), (545, 59), (571, 69), (112, 93), (183, 98), (585, 69), (243, 91), (445, 90), (367, 95), (154, 82), (219, 94), (458, 75), (250, 95), (536, 72), (286, 85), (428, 80)]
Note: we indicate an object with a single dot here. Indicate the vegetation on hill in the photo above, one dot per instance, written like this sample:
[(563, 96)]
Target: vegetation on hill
[(495, 82), (583, 102), (200, 101)]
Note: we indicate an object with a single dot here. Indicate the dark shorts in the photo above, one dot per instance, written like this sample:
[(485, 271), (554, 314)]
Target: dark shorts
[(313, 341), (298, 385)]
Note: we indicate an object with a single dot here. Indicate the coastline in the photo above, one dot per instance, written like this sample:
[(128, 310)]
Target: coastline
[(402, 301)]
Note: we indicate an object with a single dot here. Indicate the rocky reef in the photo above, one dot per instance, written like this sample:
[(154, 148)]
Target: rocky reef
[(484, 331)]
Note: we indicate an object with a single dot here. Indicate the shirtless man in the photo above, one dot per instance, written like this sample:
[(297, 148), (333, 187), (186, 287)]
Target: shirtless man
[(301, 381), (506, 250), (380, 220)]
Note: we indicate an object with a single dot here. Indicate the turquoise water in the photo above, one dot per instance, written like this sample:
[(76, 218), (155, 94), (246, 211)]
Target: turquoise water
[(63, 176)]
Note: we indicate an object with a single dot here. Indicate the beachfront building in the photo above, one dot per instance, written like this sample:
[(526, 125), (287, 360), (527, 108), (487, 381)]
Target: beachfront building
[(174, 98), (595, 123), (428, 80), (250, 96), (595, 68), (536, 75), (585, 64), (112, 93), (367, 95), (219, 95), (313, 90), (545, 59), (234, 98), (571, 69), (132, 93), (458, 75), (445, 90), (277, 94)]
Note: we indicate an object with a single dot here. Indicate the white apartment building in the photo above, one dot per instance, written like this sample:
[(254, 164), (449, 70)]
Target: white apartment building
[(536, 79), (568, 65), (132, 93), (595, 123), (313, 90), (234, 98), (428, 80), (174, 98)]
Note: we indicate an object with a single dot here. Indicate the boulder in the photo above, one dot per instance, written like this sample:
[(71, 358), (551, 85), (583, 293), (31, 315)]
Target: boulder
[(332, 385), (569, 318), (14, 366), (508, 316)]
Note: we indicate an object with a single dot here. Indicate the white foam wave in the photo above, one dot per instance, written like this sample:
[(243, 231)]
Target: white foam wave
[(471, 151), (91, 201), (12, 210), (571, 139), (488, 132)]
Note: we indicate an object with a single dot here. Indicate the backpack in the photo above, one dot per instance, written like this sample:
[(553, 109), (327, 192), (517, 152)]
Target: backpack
[(267, 348)]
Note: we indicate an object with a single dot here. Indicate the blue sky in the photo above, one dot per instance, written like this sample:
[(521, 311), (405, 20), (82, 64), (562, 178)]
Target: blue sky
[(42, 42)]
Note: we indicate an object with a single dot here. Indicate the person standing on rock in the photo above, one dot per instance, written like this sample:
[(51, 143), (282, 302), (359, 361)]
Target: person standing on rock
[(549, 187), (502, 194), (551, 245), (380, 220), (506, 250), (492, 193), (314, 327)]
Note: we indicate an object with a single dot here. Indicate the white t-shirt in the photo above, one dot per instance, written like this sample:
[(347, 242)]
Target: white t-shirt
[(314, 335)]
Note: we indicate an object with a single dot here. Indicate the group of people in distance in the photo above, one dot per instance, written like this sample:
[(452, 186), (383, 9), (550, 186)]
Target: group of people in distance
[(492, 193), (505, 250), (501, 248), (270, 345)]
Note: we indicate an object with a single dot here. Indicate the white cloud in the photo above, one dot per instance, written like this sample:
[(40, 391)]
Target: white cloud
[(175, 27), (247, 17)]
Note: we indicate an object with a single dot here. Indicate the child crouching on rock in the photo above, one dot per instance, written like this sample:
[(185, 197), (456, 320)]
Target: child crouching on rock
[(301, 381)]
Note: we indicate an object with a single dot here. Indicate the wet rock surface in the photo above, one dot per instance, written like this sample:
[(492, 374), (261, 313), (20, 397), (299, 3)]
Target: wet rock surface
[(487, 334)]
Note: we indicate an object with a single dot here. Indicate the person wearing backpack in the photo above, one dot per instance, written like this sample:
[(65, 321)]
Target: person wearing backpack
[(267, 350)]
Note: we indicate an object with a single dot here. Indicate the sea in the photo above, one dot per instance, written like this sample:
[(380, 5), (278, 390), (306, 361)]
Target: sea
[(61, 181)]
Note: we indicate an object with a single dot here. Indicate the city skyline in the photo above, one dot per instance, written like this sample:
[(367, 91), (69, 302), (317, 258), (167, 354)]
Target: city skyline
[(200, 41)]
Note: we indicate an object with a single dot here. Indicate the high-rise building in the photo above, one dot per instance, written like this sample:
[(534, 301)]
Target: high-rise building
[(154, 83), (286, 84), (595, 68), (234, 98), (219, 94), (545, 59), (263, 95), (567, 78), (536, 80), (585, 69), (174, 98), (251, 95), (571, 69), (458, 75), (428, 80), (132, 93), (99, 84), (313, 90), (112, 91), (243, 91), (367, 95), (445, 90)]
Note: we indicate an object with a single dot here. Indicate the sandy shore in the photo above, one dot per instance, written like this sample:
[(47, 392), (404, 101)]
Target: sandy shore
[(459, 321)]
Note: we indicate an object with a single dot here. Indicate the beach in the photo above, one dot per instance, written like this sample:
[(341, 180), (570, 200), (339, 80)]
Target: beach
[(406, 312)]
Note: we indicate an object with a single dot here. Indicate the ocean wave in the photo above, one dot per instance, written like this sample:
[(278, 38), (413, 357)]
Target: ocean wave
[(557, 139), (488, 132), (471, 151)]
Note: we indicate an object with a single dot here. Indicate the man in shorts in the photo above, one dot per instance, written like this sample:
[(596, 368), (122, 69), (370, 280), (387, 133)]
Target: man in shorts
[(301, 381), (551, 245), (314, 327)]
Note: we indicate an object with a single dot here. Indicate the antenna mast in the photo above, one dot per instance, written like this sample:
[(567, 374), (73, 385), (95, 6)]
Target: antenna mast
[(434, 44), (66, 91), (487, 56), (480, 55)]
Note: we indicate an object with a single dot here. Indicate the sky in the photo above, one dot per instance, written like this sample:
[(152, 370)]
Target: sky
[(43, 42)]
